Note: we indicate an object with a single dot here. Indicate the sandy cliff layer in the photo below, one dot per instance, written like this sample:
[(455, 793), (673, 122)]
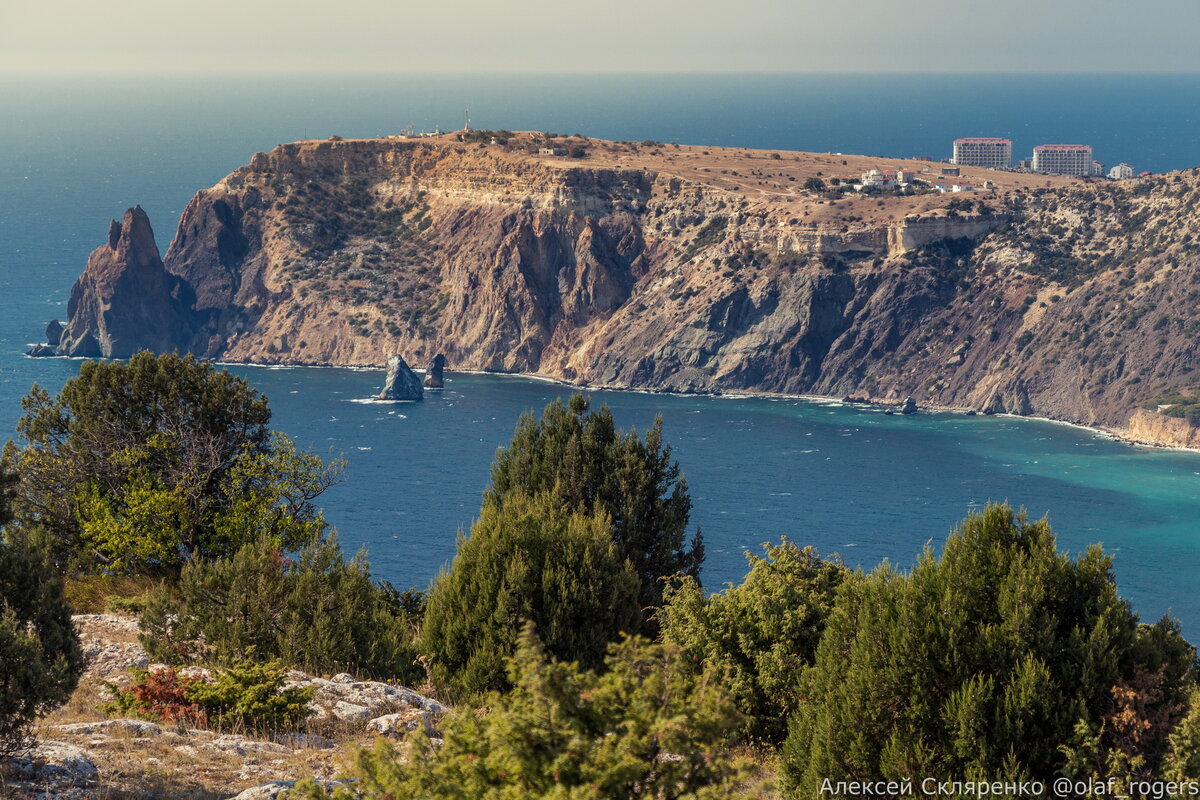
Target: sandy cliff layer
[(672, 268)]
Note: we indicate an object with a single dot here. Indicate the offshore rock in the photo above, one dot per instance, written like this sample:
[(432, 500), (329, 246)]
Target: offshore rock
[(401, 383), (125, 300), (433, 375), (54, 331), (909, 406)]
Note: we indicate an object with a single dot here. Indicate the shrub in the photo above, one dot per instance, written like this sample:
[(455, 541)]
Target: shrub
[(526, 561), (587, 465), (317, 611), (136, 466), (641, 729), (40, 659), (245, 696), (761, 633), (252, 696), (160, 694), (979, 663)]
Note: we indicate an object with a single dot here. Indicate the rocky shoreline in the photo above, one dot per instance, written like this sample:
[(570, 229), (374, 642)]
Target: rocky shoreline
[(688, 270), (83, 753)]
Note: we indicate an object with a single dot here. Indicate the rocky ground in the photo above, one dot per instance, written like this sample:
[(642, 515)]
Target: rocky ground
[(83, 753)]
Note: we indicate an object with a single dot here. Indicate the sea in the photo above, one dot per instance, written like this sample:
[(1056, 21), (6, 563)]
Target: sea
[(77, 151)]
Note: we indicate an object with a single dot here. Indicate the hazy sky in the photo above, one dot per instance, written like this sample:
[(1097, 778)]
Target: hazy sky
[(170, 36)]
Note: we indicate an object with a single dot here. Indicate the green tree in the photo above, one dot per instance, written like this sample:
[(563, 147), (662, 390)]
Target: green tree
[(642, 728), (40, 659), (135, 466), (760, 633), (317, 611), (587, 465), (978, 664), (530, 560)]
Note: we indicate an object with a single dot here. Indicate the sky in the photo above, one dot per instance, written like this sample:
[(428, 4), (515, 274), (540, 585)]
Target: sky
[(153, 37)]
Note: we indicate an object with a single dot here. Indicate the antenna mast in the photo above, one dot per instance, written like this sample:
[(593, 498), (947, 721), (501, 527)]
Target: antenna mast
[(467, 119)]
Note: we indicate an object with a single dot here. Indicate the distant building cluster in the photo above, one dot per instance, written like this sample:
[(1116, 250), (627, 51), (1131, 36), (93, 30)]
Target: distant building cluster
[(1055, 159), (983, 152)]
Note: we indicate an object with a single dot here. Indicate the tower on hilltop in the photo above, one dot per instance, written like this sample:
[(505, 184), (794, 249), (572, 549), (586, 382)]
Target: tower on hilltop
[(467, 121)]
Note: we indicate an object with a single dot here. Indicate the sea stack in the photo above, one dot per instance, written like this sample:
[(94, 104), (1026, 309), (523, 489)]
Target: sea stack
[(401, 383), (125, 300), (433, 375)]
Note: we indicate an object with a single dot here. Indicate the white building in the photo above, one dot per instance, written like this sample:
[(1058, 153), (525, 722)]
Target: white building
[(873, 179), (1063, 159), (1097, 168), (983, 152), (1121, 172), (905, 176)]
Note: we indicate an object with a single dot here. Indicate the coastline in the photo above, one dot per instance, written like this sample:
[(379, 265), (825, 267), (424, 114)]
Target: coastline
[(1116, 434)]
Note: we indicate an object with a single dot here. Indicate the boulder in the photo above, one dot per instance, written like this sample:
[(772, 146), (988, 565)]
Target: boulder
[(351, 712), (401, 383), (399, 724), (41, 351), (57, 763), (433, 375), (909, 406)]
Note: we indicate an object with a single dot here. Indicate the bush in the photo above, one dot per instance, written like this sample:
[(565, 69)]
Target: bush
[(980, 663), (526, 561), (316, 611), (641, 729), (40, 659), (761, 633), (135, 467), (245, 696), (587, 465)]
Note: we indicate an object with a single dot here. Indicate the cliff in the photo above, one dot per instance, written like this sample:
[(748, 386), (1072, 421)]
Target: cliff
[(672, 268)]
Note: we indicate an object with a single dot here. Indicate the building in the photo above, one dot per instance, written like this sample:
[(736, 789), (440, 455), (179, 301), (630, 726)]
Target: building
[(983, 152), (952, 171), (1097, 168), (874, 179), (905, 176), (1063, 159), (1121, 172)]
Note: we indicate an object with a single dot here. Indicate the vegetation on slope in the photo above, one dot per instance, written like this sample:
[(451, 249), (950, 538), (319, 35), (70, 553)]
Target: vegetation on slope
[(997, 659)]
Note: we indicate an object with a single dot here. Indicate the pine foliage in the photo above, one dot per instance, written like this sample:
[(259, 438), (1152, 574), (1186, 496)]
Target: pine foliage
[(530, 560), (587, 465), (641, 728), (978, 664), (40, 658), (317, 611), (760, 633)]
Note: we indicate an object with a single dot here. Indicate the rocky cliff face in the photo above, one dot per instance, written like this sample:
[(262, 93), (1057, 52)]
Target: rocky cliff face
[(687, 270), (126, 300)]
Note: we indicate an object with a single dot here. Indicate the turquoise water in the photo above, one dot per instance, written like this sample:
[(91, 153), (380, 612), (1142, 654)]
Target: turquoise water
[(848, 480)]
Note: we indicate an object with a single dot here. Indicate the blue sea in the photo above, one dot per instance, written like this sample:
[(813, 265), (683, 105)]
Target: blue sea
[(76, 152)]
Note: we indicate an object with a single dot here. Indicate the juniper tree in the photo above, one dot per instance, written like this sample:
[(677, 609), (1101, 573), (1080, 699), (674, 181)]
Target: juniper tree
[(135, 466), (587, 465), (761, 632), (978, 664), (529, 560)]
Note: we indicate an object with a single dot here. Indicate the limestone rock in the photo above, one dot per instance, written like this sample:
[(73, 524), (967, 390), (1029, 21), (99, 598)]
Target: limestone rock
[(41, 351), (400, 723), (57, 763), (351, 712), (401, 383), (433, 375), (909, 406)]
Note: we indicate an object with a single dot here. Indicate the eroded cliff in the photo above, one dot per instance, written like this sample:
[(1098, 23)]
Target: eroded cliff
[(671, 268)]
